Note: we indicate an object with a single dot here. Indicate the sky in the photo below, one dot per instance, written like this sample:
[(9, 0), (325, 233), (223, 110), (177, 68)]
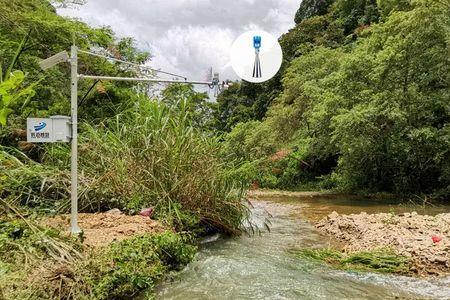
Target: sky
[(188, 37)]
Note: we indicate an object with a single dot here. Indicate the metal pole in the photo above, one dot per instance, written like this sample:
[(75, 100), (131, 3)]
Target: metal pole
[(74, 154), (74, 76)]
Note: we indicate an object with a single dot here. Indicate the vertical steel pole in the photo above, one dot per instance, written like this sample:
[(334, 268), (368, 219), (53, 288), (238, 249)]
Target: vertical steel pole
[(74, 154)]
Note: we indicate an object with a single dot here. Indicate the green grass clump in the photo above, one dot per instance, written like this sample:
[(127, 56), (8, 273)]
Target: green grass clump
[(383, 261), (24, 182), (326, 254), (152, 156), (25, 248), (133, 267)]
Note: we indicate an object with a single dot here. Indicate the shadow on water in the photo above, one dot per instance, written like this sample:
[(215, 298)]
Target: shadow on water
[(262, 267)]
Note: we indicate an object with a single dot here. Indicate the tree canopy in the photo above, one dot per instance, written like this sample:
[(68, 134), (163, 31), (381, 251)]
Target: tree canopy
[(367, 107)]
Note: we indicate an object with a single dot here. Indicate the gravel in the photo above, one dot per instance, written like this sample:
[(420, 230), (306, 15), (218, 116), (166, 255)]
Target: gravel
[(422, 238)]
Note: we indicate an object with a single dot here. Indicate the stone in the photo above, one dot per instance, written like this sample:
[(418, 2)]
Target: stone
[(114, 211)]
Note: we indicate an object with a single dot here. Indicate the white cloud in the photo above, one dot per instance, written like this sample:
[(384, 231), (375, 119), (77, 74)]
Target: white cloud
[(188, 36)]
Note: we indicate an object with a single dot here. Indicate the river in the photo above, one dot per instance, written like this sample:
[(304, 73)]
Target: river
[(263, 265)]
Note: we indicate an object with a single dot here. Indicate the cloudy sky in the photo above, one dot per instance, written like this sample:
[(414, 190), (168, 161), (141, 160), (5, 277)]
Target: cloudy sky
[(188, 36)]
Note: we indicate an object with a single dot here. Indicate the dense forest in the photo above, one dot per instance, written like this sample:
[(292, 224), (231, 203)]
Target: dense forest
[(362, 102), (361, 105)]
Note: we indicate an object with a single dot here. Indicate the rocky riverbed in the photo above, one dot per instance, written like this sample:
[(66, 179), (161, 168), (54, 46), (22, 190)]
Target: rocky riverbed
[(424, 239)]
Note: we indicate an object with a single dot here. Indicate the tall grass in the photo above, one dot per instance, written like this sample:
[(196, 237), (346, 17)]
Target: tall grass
[(149, 155), (152, 156), (28, 183)]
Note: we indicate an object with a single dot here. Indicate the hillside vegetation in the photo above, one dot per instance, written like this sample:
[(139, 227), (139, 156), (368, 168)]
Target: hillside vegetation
[(362, 102)]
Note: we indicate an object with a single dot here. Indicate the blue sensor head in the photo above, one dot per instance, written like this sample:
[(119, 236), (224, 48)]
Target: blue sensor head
[(257, 41)]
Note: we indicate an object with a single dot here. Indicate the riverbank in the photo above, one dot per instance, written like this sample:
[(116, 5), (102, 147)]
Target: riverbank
[(116, 256), (358, 224), (102, 229), (423, 239), (325, 194)]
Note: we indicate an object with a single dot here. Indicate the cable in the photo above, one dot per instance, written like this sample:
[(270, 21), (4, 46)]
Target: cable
[(132, 64), (140, 79), (87, 93)]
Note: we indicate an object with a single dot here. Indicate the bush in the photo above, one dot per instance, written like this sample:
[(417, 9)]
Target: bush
[(133, 266), (38, 263)]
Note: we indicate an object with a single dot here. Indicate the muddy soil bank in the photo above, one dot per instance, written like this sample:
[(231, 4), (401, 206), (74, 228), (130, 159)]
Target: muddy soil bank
[(365, 223), (101, 229), (424, 239)]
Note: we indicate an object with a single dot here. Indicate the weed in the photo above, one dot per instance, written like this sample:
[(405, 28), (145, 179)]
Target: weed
[(383, 261), (123, 270), (130, 268)]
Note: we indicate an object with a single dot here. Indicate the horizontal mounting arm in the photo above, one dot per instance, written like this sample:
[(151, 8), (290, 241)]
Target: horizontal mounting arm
[(142, 79)]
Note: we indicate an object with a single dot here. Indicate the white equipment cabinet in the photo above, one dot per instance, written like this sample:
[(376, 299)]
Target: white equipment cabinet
[(62, 129), (49, 130)]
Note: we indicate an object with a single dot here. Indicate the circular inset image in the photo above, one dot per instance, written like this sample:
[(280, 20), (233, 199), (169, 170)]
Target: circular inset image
[(256, 56)]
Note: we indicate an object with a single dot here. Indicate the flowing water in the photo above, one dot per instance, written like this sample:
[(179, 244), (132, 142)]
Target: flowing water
[(263, 266)]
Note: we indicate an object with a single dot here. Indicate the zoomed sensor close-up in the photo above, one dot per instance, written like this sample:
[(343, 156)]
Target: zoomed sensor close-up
[(222, 150)]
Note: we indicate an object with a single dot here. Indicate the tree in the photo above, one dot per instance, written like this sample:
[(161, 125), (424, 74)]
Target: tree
[(355, 13), (312, 8), (370, 115), (233, 107), (328, 23), (199, 109), (394, 133), (12, 93), (47, 34)]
